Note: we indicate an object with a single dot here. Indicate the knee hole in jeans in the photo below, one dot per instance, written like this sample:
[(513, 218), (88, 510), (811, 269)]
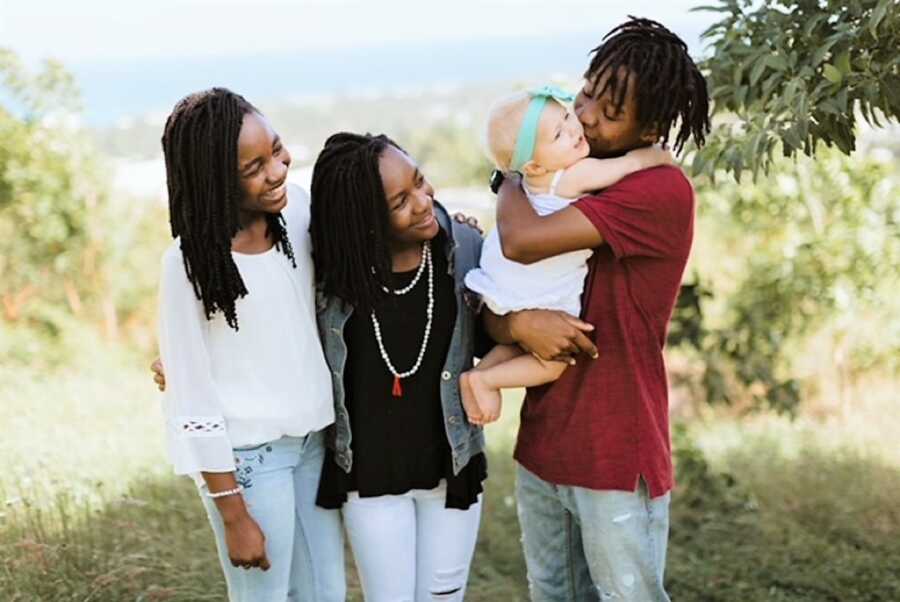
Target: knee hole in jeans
[(447, 584)]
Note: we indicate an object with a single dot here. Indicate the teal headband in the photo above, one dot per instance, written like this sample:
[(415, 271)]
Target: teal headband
[(527, 137)]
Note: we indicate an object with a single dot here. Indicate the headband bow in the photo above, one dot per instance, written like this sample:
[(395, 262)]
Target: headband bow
[(527, 137)]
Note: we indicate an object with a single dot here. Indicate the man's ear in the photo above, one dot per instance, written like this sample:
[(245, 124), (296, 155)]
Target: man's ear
[(533, 170)]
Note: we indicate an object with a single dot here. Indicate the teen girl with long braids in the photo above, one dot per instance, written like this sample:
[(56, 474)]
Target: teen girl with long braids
[(248, 390), (405, 465)]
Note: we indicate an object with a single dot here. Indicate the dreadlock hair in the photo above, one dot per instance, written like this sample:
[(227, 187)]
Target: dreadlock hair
[(667, 83), (200, 144), (349, 221)]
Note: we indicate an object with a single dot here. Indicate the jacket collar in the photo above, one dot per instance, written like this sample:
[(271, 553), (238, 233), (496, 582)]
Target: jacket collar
[(446, 223)]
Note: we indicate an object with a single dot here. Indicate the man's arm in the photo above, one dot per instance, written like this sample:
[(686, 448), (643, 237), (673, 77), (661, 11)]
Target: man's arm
[(551, 335), (527, 237)]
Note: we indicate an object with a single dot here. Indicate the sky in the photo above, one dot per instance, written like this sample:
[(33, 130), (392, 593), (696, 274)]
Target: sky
[(92, 31), (136, 58)]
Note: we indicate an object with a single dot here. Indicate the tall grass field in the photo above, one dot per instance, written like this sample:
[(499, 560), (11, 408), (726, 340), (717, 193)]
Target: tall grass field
[(767, 509)]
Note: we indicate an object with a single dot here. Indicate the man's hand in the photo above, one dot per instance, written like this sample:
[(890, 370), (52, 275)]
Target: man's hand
[(462, 218), (551, 335), (159, 376)]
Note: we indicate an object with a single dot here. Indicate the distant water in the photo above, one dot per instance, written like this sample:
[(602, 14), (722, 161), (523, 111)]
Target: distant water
[(113, 90)]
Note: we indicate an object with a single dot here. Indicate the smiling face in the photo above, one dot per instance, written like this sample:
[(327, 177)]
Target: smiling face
[(410, 198), (263, 164), (609, 129), (560, 139)]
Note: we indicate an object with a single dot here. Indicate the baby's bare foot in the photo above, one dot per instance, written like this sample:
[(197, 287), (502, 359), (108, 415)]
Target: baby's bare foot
[(470, 405), (487, 398)]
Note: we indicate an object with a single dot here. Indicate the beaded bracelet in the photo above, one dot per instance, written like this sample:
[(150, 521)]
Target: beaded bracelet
[(227, 492)]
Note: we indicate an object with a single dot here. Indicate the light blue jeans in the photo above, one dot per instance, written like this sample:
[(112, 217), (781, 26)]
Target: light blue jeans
[(304, 543), (583, 544)]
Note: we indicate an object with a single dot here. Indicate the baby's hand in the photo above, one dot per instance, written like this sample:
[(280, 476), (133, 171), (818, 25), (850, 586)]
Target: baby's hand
[(651, 156)]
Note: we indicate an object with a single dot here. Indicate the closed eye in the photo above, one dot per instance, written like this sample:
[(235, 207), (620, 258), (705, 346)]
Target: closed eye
[(253, 171)]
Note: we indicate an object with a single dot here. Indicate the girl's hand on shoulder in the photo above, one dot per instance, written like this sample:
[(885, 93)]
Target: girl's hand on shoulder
[(159, 375), (652, 156), (246, 543), (472, 222)]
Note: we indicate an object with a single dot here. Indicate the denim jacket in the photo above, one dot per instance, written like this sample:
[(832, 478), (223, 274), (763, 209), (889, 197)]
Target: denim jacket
[(463, 250)]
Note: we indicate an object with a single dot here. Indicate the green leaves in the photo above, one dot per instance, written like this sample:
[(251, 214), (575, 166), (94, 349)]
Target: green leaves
[(843, 63), (48, 183), (777, 62), (805, 249), (797, 70), (833, 74), (878, 15)]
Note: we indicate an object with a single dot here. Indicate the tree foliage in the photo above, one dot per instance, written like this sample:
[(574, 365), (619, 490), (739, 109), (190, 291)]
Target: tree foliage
[(789, 74), (814, 245), (47, 185), (68, 249)]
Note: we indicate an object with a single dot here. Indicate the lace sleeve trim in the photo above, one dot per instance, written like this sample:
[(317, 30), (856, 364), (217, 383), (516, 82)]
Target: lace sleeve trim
[(200, 426)]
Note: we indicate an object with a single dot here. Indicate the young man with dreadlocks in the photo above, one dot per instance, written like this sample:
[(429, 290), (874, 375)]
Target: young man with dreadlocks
[(595, 465), (248, 391)]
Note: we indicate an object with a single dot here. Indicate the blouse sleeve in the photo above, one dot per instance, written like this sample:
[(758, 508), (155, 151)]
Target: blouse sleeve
[(196, 432)]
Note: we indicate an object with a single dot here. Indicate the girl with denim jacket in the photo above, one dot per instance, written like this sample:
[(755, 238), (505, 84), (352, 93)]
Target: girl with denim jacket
[(403, 463)]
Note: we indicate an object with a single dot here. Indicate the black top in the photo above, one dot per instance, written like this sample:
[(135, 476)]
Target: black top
[(400, 443)]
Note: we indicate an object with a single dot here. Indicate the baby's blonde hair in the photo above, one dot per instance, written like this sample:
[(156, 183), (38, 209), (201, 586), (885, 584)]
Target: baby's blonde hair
[(503, 123)]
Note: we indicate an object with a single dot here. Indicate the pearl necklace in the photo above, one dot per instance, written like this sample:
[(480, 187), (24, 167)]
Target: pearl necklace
[(397, 390), (426, 253)]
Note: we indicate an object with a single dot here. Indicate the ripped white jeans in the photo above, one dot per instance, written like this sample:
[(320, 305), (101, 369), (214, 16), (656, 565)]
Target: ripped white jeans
[(410, 548)]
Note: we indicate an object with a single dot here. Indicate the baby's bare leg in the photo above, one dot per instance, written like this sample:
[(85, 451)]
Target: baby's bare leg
[(524, 370), (498, 355)]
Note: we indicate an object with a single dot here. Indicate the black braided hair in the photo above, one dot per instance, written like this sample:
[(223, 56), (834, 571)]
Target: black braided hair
[(668, 85), (200, 144), (349, 220)]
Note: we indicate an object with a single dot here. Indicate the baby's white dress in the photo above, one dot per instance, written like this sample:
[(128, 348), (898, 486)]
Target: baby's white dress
[(553, 283)]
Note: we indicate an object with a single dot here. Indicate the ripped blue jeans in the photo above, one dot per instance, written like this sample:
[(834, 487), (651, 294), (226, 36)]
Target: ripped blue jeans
[(304, 543), (583, 544)]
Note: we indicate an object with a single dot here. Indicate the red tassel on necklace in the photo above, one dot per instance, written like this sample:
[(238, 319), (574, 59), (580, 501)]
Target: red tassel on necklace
[(397, 391)]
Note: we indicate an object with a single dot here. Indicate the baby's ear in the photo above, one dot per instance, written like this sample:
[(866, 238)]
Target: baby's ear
[(533, 170)]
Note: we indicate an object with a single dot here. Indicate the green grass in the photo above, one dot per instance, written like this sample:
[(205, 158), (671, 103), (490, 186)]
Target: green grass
[(766, 509)]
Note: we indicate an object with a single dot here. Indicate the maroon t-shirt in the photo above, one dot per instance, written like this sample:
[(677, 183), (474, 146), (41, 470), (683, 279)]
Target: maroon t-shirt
[(605, 422)]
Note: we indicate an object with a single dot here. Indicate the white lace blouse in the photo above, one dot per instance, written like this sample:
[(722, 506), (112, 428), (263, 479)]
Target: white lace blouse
[(269, 379)]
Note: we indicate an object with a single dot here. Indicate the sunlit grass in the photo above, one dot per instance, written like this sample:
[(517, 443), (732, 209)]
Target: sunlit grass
[(767, 508)]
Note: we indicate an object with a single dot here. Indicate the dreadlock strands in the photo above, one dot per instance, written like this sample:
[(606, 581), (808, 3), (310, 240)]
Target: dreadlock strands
[(200, 145), (347, 191), (667, 85)]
